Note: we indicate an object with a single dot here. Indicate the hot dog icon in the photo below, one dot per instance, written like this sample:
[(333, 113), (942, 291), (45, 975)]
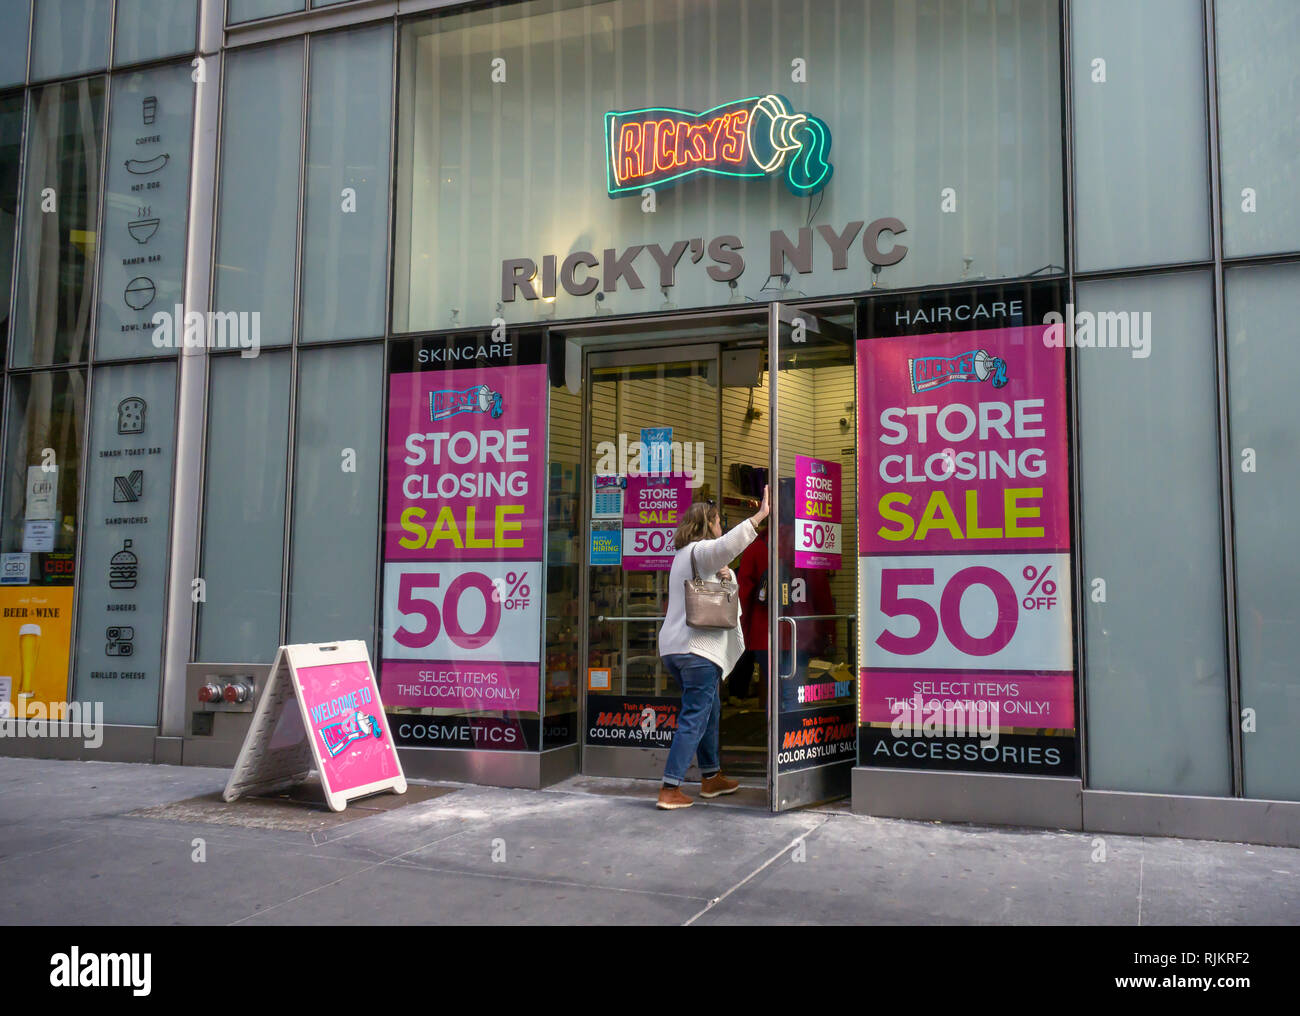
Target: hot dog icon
[(143, 167)]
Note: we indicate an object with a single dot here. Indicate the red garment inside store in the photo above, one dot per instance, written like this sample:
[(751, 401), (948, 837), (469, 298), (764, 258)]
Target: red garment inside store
[(814, 636)]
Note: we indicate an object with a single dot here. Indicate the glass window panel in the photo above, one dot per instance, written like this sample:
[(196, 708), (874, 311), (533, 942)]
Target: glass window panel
[(39, 539), (239, 11), (243, 516), (56, 251), (14, 19), (150, 29), (1141, 179), (70, 37), (917, 98), (1265, 432), (146, 203), (124, 553), (258, 208), (1155, 653), (1259, 133), (337, 463), (11, 149), (345, 231)]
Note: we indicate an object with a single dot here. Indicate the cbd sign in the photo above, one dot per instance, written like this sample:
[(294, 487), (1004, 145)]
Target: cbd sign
[(753, 137)]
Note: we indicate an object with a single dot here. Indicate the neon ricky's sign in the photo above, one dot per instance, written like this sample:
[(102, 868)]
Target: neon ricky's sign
[(751, 137)]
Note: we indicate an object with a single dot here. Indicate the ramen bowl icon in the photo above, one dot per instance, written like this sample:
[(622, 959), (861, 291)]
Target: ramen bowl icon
[(142, 230)]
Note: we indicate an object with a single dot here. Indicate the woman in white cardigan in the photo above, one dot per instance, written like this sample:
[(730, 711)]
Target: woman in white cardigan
[(698, 657)]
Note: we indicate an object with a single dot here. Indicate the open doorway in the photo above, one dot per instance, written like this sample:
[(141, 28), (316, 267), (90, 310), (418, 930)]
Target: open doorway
[(668, 426), (677, 419)]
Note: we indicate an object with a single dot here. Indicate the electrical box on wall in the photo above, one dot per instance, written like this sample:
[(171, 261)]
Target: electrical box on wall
[(742, 368)]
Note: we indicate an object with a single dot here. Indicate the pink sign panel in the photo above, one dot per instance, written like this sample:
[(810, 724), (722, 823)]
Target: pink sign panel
[(466, 686), (652, 511), (466, 461), (964, 529), (347, 722), (962, 443), (817, 527), (1008, 699), (464, 536)]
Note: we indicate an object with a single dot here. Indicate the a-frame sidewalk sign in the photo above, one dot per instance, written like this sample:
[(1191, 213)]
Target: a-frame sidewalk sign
[(320, 710)]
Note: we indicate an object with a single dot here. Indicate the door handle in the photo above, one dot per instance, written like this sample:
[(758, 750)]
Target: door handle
[(794, 647)]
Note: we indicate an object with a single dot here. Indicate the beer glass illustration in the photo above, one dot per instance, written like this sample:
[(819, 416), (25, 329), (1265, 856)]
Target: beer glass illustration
[(29, 638)]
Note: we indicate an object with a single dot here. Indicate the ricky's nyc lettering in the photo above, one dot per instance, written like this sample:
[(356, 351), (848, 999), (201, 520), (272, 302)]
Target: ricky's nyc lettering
[(581, 273)]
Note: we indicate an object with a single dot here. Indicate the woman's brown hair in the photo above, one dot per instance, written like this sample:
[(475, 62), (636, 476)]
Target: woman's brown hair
[(695, 524)]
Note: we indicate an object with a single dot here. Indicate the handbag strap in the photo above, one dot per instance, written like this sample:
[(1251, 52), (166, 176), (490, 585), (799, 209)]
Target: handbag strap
[(695, 571)]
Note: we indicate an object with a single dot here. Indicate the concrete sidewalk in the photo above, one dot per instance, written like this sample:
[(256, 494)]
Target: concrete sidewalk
[(113, 843)]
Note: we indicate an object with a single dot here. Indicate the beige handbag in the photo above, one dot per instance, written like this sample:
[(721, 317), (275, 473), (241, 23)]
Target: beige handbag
[(713, 604)]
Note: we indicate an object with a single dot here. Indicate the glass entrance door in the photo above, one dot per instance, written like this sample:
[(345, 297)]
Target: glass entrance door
[(813, 560), (654, 439)]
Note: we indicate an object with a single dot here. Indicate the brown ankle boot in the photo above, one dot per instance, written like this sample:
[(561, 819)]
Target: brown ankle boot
[(717, 785), (672, 797)]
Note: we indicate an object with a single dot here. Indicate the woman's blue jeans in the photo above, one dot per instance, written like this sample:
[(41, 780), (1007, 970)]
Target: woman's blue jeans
[(698, 718)]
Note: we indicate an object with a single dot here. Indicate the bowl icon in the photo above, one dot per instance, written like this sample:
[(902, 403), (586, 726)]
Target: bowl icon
[(139, 293), (142, 230)]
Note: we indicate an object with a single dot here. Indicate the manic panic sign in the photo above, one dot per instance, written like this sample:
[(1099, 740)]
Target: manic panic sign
[(750, 137)]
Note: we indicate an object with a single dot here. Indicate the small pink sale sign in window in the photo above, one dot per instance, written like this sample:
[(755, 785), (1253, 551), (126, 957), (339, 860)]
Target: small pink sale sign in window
[(817, 524)]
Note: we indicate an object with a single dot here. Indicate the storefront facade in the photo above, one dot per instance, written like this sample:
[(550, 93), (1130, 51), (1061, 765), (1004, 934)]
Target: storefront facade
[(421, 322)]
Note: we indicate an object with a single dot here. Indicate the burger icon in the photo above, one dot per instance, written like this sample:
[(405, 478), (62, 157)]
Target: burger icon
[(123, 568)]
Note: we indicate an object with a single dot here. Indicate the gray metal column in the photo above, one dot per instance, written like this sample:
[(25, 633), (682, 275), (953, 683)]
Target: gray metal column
[(192, 380)]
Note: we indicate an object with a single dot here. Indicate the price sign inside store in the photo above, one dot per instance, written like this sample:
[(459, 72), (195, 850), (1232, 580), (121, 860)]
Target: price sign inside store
[(653, 509), (817, 513)]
